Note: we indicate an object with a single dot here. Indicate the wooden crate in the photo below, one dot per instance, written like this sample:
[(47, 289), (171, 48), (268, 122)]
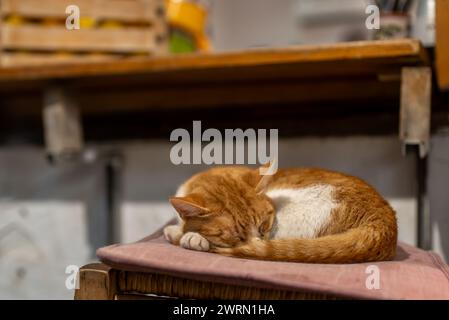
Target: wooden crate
[(34, 32)]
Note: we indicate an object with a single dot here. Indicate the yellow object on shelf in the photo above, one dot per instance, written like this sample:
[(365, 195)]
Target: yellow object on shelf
[(14, 20), (51, 22), (191, 17), (203, 42), (111, 24), (87, 22), (187, 15), (63, 53)]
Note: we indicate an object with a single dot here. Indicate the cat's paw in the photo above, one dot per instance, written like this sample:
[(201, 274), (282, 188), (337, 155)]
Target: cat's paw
[(173, 234), (194, 241)]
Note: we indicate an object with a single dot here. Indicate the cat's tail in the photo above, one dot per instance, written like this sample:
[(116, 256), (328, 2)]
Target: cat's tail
[(361, 244)]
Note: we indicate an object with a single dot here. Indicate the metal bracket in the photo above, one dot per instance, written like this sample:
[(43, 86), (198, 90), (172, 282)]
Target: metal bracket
[(62, 124), (414, 133), (415, 110)]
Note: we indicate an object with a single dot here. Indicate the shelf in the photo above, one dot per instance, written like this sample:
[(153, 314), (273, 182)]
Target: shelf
[(360, 57), (354, 70), (347, 76)]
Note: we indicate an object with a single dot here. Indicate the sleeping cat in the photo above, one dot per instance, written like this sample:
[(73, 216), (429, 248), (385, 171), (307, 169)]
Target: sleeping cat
[(299, 215)]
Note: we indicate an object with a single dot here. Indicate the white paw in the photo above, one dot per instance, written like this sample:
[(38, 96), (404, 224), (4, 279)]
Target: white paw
[(173, 234), (194, 241)]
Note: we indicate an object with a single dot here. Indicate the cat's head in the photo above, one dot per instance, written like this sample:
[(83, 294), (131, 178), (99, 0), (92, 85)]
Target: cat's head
[(227, 206)]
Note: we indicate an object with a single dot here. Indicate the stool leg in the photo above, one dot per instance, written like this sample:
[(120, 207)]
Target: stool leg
[(113, 186), (96, 282), (424, 227)]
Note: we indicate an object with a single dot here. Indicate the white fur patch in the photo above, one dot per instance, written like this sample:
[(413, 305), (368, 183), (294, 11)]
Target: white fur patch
[(301, 212), (173, 233)]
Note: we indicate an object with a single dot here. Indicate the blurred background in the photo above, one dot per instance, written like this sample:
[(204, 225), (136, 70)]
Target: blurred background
[(57, 214)]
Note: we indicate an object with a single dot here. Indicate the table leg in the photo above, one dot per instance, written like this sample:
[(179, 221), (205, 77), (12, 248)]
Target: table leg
[(414, 133)]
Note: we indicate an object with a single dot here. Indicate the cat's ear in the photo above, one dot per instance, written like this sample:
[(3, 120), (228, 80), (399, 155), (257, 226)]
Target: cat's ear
[(188, 207)]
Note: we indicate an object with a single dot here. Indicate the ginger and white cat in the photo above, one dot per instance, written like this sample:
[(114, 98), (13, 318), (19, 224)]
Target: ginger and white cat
[(302, 215)]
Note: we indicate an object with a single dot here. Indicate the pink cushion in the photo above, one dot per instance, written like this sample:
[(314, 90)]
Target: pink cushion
[(414, 274)]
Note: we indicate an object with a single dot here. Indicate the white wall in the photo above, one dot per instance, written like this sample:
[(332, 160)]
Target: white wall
[(38, 240)]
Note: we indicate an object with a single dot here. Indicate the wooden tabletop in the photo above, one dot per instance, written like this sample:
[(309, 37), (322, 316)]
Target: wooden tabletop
[(327, 80), (370, 53), (300, 75)]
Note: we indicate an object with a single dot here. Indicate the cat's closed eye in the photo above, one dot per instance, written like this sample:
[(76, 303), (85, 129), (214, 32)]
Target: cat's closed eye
[(217, 233)]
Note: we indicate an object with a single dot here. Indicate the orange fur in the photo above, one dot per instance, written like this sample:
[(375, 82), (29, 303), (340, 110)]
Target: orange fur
[(226, 206)]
